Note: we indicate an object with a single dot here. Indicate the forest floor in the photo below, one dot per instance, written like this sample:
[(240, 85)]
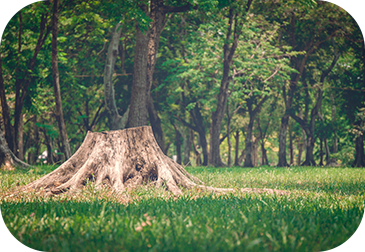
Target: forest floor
[(324, 209)]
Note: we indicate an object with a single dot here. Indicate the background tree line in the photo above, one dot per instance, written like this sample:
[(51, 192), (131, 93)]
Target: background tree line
[(254, 82)]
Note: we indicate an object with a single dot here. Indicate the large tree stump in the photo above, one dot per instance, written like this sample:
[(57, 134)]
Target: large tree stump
[(120, 159)]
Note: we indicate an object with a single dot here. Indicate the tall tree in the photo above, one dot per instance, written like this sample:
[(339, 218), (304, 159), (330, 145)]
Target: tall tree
[(236, 13), (56, 84)]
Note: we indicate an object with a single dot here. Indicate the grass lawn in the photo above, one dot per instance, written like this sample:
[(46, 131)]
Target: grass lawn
[(324, 209)]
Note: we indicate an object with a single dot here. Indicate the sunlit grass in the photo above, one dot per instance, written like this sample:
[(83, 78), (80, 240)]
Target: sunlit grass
[(324, 209)]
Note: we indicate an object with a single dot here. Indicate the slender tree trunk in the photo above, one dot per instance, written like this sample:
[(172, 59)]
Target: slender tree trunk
[(237, 138), (198, 119), (320, 152), (178, 144), (115, 120), (334, 122), (198, 159), (229, 161), (49, 146), (56, 84), (187, 146), (255, 142), (249, 145), (291, 148), (34, 142), (233, 33), (359, 152), (20, 142), (282, 141)]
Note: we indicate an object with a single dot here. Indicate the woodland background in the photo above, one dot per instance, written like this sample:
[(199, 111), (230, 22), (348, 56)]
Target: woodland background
[(231, 83)]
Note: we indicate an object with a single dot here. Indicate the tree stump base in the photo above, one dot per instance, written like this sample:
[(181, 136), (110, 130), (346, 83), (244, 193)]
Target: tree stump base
[(123, 159), (120, 159)]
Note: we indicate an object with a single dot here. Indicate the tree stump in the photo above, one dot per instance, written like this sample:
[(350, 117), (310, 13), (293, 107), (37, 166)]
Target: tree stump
[(120, 159)]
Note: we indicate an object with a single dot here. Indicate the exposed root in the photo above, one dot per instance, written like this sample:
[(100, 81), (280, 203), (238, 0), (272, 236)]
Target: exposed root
[(122, 159)]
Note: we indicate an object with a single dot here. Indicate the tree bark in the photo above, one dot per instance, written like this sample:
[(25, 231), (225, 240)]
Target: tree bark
[(20, 142), (116, 121), (178, 144), (237, 138), (248, 140), (248, 144), (118, 159), (145, 58), (359, 152), (187, 146), (334, 122), (229, 161), (264, 159), (217, 115), (56, 84), (123, 159), (34, 142)]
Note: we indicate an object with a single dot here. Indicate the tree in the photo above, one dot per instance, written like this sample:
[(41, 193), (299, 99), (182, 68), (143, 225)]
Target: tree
[(56, 84), (237, 11)]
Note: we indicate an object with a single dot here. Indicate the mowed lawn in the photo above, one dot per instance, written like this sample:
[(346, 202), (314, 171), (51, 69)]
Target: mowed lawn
[(324, 209)]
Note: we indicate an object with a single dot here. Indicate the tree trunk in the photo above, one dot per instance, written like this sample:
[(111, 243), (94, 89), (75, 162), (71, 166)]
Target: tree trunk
[(139, 96), (34, 142), (334, 122), (320, 152), (178, 144), (282, 142), (119, 159), (309, 158), (248, 145), (198, 159), (237, 138), (291, 148), (8, 161), (187, 146), (255, 158), (56, 84), (20, 142), (229, 161), (49, 146), (198, 119), (359, 152), (228, 52), (115, 120), (145, 52)]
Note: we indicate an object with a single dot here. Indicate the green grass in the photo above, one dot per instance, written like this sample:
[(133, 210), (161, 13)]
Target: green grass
[(325, 208)]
